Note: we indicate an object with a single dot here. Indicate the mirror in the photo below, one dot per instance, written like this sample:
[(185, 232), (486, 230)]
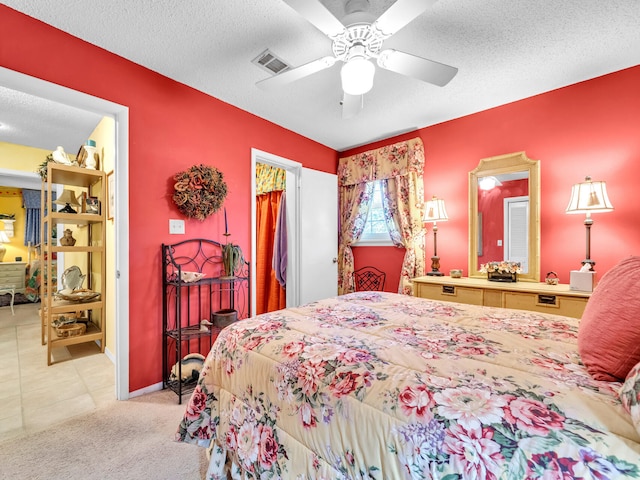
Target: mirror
[(504, 214)]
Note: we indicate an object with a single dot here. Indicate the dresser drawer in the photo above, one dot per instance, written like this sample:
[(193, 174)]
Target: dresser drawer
[(572, 306), (13, 275), (12, 269), (546, 303), (537, 297), (12, 280), (451, 293)]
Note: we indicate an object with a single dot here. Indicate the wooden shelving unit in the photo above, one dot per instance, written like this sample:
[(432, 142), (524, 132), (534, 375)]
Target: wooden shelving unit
[(93, 183)]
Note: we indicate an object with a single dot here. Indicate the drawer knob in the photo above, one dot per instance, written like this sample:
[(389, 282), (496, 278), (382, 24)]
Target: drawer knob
[(448, 290)]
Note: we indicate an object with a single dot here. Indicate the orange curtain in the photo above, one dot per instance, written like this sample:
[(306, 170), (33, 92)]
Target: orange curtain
[(270, 295)]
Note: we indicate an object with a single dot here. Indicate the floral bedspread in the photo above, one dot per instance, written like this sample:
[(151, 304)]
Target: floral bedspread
[(386, 386)]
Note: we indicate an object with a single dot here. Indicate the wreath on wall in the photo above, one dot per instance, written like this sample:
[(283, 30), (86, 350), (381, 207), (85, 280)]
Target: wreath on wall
[(199, 191)]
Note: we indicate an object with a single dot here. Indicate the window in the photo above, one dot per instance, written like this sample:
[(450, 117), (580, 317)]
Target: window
[(375, 232)]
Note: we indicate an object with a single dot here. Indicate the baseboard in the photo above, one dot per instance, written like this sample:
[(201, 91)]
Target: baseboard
[(110, 355), (151, 388)]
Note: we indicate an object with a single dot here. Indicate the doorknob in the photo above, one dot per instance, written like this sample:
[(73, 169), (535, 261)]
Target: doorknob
[(335, 260)]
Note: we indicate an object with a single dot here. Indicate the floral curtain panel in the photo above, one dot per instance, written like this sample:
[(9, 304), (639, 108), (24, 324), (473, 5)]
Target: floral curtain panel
[(354, 202), (405, 214), (401, 165)]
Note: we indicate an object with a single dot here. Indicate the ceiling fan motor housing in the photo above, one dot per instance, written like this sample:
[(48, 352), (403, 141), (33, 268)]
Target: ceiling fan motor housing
[(361, 40)]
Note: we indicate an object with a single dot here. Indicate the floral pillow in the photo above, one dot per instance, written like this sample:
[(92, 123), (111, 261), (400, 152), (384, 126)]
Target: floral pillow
[(630, 395)]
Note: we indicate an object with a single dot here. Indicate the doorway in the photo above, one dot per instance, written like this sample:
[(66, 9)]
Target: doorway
[(50, 91), (312, 230), (293, 171)]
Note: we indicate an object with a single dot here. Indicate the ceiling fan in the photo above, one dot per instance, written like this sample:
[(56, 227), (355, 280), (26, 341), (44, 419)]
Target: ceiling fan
[(357, 40)]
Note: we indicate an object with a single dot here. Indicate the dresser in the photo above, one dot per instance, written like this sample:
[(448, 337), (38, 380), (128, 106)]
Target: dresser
[(13, 275), (537, 297)]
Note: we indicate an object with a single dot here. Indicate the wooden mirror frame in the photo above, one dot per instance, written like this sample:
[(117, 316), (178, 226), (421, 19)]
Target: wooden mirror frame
[(509, 163)]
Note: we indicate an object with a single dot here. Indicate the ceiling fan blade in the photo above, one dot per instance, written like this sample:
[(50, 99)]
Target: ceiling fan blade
[(318, 15), (351, 105), (297, 73), (417, 67), (400, 14)]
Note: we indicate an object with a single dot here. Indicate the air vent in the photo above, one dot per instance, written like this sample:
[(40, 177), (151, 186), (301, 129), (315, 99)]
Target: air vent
[(270, 62)]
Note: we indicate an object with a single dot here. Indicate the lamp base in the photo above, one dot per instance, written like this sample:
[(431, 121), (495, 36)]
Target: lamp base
[(590, 262), (67, 209), (435, 267)]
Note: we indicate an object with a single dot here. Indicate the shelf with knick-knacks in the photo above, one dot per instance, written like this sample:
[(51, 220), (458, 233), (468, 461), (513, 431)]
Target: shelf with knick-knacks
[(76, 313), (204, 290)]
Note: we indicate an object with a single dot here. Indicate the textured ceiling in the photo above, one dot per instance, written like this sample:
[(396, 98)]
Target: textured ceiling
[(41, 123), (505, 50)]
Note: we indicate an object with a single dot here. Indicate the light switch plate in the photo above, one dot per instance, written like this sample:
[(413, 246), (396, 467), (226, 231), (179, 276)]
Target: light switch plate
[(176, 227)]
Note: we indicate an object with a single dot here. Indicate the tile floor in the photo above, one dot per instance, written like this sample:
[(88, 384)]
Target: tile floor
[(34, 396)]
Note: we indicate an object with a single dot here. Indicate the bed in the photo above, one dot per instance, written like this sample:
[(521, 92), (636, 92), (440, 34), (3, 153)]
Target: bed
[(386, 386)]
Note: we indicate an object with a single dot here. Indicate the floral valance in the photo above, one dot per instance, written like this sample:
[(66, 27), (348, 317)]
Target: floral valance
[(270, 178), (385, 162)]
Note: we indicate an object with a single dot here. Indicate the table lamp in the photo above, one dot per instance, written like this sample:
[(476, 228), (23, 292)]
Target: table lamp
[(67, 199), (589, 197), (435, 212)]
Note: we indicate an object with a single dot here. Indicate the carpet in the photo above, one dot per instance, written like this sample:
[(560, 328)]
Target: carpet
[(125, 440), (5, 299)]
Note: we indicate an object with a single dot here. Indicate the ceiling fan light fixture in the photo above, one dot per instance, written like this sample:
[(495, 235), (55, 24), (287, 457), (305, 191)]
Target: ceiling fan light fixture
[(357, 76)]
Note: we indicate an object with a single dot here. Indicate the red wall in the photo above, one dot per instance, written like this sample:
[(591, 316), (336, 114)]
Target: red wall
[(387, 259), (171, 128), (590, 128)]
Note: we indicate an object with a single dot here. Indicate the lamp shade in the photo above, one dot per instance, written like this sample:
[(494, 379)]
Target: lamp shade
[(3, 237), (357, 76), (435, 211), (589, 197), (68, 197)]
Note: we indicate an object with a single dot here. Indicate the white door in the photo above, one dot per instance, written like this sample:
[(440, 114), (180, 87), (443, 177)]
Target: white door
[(318, 235), (516, 231)]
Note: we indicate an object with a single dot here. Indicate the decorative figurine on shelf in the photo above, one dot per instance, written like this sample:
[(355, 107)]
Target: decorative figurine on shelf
[(204, 325), (90, 162), (190, 367), (60, 156), (232, 257), (552, 278), (67, 240)]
